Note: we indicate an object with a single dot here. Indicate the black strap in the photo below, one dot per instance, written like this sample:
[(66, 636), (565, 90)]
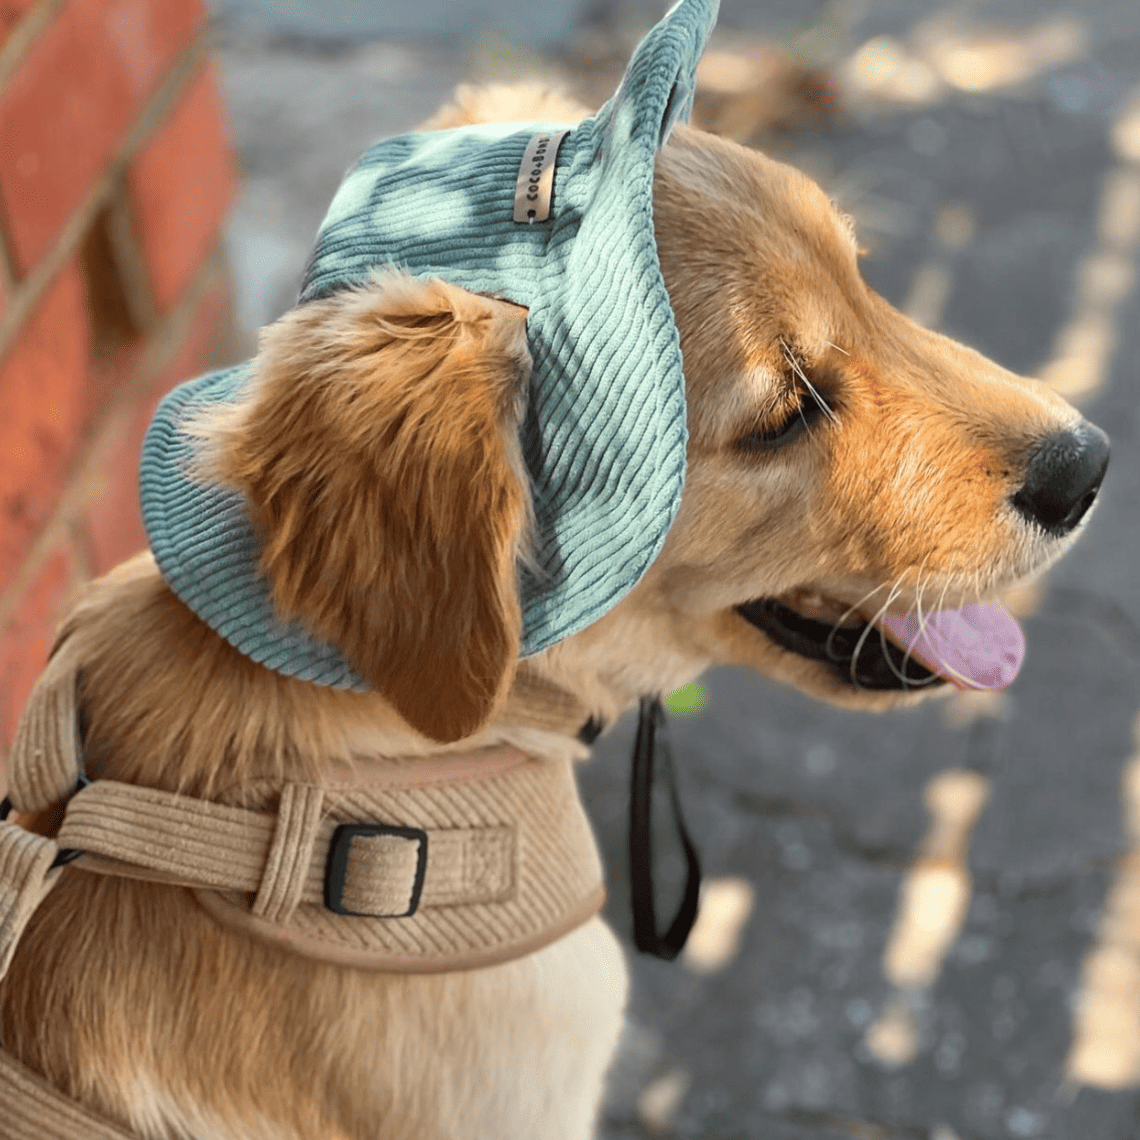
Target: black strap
[(651, 721), (591, 730)]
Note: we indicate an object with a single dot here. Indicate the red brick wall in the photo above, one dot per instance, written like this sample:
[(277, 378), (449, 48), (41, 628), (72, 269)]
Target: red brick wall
[(115, 177)]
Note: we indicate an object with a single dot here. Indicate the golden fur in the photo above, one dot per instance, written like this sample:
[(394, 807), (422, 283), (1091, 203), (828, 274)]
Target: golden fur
[(380, 453)]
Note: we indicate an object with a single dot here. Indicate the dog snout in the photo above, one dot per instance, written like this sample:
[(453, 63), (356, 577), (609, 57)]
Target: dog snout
[(1064, 474)]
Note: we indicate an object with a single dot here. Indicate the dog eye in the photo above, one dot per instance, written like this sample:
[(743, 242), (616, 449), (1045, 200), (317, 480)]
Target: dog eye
[(799, 419)]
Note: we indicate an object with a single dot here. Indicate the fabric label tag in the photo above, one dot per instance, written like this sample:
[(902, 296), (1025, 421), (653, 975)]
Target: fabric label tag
[(536, 177)]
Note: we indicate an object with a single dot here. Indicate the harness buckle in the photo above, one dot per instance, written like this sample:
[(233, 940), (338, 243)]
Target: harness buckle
[(336, 869)]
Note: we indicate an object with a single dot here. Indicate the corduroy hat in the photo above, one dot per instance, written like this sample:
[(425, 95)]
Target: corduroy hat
[(563, 227)]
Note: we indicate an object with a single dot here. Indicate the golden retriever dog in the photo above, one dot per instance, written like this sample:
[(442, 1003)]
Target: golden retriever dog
[(843, 465)]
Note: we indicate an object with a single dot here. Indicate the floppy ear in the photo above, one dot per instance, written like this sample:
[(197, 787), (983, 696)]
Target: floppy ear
[(379, 451)]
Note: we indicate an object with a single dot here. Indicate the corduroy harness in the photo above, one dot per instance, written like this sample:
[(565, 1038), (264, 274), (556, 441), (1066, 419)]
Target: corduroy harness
[(448, 863)]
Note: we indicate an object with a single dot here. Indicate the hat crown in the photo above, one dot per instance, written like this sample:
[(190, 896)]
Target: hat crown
[(604, 433)]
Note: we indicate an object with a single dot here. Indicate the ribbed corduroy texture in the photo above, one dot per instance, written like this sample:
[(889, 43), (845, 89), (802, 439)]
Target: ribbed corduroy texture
[(25, 879), (511, 865), (42, 770), (294, 839), (518, 842), (45, 760), (201, 537), (512, 862), (277, 853), (604, 434), (177, 838), (30, 1109)]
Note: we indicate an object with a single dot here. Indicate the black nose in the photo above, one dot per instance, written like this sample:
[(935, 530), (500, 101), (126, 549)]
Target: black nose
[(1065, 472)]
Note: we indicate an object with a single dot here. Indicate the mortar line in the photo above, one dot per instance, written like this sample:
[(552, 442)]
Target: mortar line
[(7, 274), (30, 290), (24, 34), (163, 345), (12, 51)]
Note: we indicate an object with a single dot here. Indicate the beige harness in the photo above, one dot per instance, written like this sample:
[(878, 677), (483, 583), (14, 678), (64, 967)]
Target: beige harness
[(448, 863)]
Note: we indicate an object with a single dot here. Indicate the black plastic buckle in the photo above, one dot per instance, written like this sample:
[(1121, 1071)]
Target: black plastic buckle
[(66, 854), (336, 869)]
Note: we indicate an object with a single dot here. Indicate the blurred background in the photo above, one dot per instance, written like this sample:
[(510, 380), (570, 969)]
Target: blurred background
[(917, 927)]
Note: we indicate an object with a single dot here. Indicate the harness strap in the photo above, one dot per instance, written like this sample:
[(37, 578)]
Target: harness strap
[(282, 857), (26, 876), (33, 1110), (294, 837), (44, 762)]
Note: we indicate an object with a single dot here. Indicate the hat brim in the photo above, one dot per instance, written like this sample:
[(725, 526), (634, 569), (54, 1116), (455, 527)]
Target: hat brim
[(207, 550), (604, 435)]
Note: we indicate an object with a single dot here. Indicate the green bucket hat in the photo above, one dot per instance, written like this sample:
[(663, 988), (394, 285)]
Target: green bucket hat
[(563, 227)]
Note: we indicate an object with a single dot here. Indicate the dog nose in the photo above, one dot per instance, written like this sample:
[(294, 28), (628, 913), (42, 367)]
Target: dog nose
[(1065, 472)]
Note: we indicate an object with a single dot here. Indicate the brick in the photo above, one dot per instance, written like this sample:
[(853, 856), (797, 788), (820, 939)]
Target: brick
[(75, 93), (182, 184), (112, 523), (44, 395), (27, 639)]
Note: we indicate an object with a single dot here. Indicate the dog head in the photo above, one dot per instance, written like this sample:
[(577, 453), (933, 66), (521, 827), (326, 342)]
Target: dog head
[(844, 465)]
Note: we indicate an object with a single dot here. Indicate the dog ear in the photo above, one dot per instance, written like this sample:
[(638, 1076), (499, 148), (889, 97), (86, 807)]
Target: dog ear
[(379, 451)]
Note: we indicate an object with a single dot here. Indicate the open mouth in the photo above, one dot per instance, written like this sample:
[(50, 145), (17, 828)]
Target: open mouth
[(858, 654), (979, 646)]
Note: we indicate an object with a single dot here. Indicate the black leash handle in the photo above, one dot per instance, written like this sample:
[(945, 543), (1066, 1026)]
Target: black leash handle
[(646, 937)]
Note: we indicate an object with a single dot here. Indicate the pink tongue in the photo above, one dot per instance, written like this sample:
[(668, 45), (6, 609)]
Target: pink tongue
[(978, 647)]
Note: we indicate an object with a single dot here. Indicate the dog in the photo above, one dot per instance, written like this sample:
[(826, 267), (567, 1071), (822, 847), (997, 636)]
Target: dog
[(842, 466)]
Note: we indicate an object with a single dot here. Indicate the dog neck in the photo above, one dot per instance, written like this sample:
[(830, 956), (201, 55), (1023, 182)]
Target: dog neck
[(462, 860)]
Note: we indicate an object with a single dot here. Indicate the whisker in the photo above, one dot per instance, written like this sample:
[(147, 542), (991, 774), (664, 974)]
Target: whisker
[(918, 610), (927, 618), (901, 674), (923, 616), (829, 644), (942, 598), (797, 368), (895, 591), (900, 671), (909, 682), (949, 670), (824, 405)]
